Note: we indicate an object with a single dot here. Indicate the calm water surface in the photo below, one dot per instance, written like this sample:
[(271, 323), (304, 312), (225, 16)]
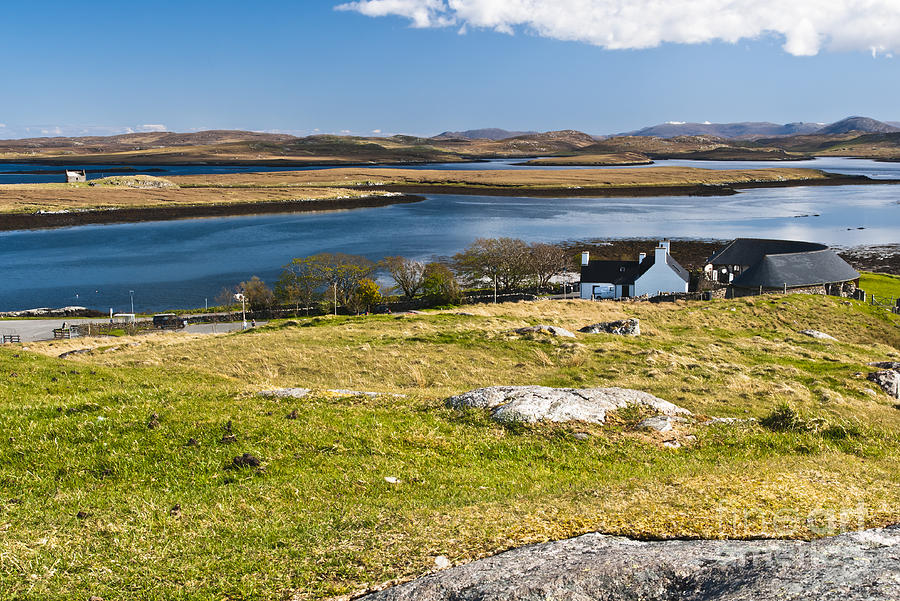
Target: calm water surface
[(182, 263)]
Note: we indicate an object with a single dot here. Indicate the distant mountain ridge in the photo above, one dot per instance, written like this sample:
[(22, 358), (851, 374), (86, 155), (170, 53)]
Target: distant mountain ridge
[(744, 129), (862, 124), (762, 129), (487, 133)]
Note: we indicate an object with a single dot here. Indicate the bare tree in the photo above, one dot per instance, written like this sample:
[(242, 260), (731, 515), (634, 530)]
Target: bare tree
[(502, 261), (225, 298), (546, 261), (407, 273)]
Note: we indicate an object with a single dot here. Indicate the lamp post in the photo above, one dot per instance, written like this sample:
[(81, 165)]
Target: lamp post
[(240, 296), (131, 292)]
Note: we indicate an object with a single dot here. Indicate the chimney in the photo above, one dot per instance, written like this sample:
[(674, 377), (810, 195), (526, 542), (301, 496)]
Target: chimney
[(585, 258), (659, 258), (666, 244), (641, 257)]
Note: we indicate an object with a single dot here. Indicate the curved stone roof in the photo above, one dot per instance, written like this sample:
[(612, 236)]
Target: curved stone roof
[(749, 251), (779, 263)]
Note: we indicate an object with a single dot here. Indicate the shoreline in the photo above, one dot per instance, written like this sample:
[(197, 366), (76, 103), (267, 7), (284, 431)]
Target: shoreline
[(629, 191), (406, 193), (239, 163), (37, 221), (690, 253), (402, 194)]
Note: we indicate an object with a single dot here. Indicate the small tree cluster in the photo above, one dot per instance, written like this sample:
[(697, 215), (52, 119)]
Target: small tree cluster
[(509, 263), (337, 277)]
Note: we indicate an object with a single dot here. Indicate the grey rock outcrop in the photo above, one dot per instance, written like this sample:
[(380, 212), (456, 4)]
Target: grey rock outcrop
[(533, 404), (622, 327), (662, 423), (895, 365), (544, 329), (888, 380), (283, 393), (299, 393), (817, 334), (80, 351), (715, 421), (851, 567)]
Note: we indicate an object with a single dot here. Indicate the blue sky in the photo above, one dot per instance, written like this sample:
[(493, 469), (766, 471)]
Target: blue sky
[(303, 67)]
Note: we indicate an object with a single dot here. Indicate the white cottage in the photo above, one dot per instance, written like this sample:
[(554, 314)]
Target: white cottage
[(649, 275), (75, 175)]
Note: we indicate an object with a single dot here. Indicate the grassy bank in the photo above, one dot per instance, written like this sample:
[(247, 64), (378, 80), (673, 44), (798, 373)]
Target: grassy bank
[(32, 198), (882, 285), (119, 478), (561, 179)]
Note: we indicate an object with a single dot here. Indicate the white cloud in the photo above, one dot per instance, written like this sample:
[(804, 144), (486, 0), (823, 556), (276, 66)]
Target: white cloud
[(807, 26), (376, 131), (2, 125), (151, 127)]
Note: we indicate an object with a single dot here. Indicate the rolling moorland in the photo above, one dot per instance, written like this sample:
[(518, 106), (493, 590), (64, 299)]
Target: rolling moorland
[(125, 466), (854, 136)]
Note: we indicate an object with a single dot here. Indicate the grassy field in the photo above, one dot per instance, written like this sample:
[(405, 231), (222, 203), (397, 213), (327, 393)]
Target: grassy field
[(880, 284), (31, 198), (118, 477), (501, 178)]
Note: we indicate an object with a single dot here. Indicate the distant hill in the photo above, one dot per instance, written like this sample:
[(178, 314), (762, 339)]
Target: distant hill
[(753, 130), (858, 124), (488, 133), (742, 130), (140, 141)]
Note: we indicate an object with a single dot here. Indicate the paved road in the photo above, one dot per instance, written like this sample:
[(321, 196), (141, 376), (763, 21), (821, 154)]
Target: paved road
[(33, 330)]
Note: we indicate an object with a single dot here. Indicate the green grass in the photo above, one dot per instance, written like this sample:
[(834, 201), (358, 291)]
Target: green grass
[(882, 285), (97, 452)]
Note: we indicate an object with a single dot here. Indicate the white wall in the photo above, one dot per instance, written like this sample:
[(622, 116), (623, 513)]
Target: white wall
[(603, 290), (659, 278)]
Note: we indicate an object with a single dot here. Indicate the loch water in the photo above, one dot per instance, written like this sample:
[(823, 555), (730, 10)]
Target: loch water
[(184, 263)]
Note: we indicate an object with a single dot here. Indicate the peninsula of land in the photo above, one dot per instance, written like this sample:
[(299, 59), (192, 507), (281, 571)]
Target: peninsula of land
[(149, 198)]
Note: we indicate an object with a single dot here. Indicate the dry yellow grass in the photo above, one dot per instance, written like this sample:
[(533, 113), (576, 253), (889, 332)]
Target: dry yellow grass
[(700, 355), (30, 198), (553, 178)]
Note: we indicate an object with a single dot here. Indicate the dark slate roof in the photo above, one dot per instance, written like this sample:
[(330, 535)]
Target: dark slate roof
[(797, 269), (626, 272), (677, 268), (749, 251), (613, 272)]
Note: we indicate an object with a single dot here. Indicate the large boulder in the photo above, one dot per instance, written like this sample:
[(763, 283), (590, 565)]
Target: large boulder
[(622, 327), (851, 567), (545, 329), (888, 380), (533, 404)]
